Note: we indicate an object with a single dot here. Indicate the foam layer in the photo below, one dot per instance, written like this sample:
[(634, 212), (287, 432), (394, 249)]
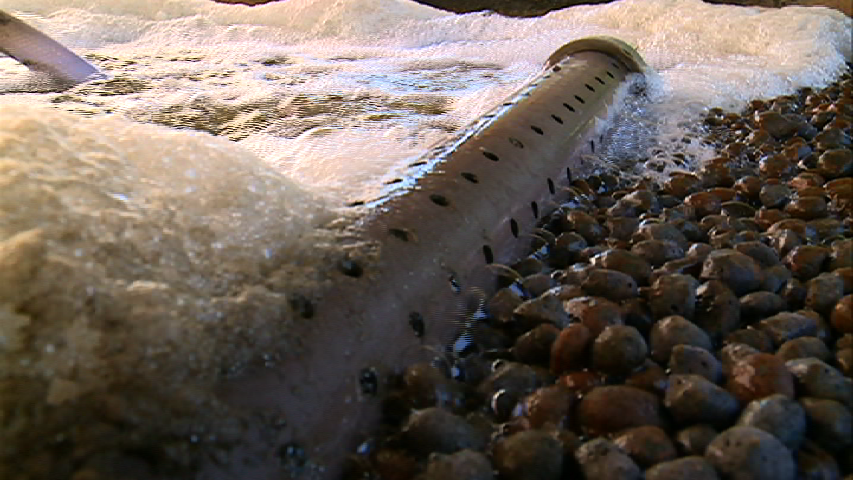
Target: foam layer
[(338, 94)]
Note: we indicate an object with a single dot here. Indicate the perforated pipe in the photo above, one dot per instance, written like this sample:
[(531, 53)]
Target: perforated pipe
[(469, 201)]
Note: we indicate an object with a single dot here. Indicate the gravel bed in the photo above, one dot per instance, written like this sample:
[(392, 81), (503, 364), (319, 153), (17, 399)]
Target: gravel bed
[(701, 328)]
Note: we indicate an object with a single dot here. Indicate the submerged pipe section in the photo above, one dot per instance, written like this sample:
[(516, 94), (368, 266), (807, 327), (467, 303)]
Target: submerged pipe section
[(40, 53), (470, 201)]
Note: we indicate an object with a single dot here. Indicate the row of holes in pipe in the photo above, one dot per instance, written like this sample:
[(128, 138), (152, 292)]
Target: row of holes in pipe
[(416, 320)]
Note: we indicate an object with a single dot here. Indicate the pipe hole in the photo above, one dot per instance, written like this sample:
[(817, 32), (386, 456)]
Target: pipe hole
[(392, 182), (350, 268), (592, 145), (513, 227), (516, 142), (610, 74), (470, 177), (535, 207), (356, 203), (589, 87), (599, 80), (454, 284), (401, 234), (537, 130), (571, 108), (487, 254), (416, 321), (557, 119), (557, 68), (579, 99), (616, 65), (418, 164), (439, 200), (569, 174), (491, 156), (551, 187)]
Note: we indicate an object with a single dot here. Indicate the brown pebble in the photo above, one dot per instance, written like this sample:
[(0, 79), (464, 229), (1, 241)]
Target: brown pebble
[(547, 308), (815, 462), (657, 252), (534, 347), (757, 305), (769, 216), (841, 255), (649, 377), (675, 330), (814, 378), (737, 209), (502, 304), (647, 445), (785, 326), (529, 455), (804, 347), (568, 352), (806, 261), (807, 207), (750, 453), (436, 430), (694, 439), (761, 253), (462, 465), (693, 399), (717, 309), (425, 386), (548, 406), (777, 124), (600, 458), (778, 415), (842, 315), (829, 423), (613, 408), (774, 196), (758, 376), (691, 360), (580, 382), (625, 262), (586, 226), (596, 313), (682, 185), (693, 467), (749, 186), (668, 231), (618, 350), (673, 294), (704, 203), (610, 284), (753, 337), (823, 292), (738, 271), (775, 278), (836, 163)]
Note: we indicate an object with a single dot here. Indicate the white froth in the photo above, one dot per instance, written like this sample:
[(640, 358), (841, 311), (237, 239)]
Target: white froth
[(337, 94)]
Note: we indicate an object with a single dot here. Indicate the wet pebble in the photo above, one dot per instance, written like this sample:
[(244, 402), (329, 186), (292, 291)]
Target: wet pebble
[(749, 453), (618, 350), (778, 415), (690, 360), (613, 408), (692, 467), (675, 330), (529, 455), (602, 459), (758, 376), (693, 399), (437, 430), (646, 445), (829, 423), (462, 465)]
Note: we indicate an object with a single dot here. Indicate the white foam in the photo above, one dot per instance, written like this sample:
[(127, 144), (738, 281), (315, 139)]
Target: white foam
[(363, 85)]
